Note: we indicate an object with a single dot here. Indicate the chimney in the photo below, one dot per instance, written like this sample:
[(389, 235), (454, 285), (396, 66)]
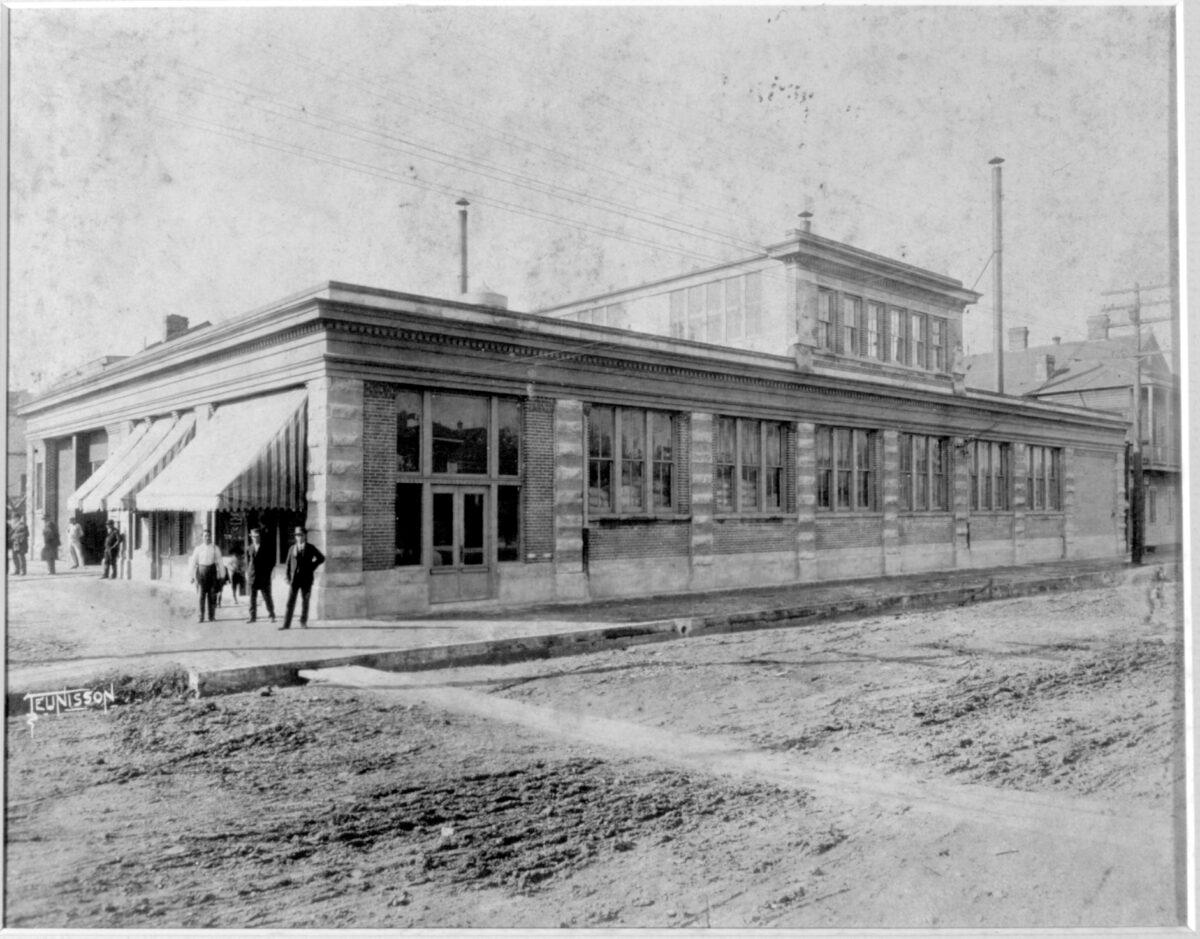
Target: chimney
[(806, 221), (1098, 326), (175, 326), (1018, 338)]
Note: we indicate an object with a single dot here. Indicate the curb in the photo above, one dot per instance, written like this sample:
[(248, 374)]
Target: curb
[(530, 648)]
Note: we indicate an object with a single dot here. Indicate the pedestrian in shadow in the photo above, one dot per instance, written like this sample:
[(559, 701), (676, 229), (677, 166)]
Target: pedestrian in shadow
[(50, 543), (20, 546), (112, 550), (260, 565)]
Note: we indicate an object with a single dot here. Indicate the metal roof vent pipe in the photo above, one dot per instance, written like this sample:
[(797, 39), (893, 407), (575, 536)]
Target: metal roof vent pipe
[(484, 296)]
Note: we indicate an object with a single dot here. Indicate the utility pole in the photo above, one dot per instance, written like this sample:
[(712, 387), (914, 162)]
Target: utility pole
[(462, 237), (1137, 484), (998, 271)]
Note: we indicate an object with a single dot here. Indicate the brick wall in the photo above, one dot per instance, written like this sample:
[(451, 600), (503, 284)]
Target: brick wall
[(637, 540), (537, 484), (379, 476), (926, 529), (1095, 510), (747, 536), (863, 531), (990, 527)]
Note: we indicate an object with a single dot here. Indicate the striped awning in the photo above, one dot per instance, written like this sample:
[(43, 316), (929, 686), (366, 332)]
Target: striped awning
[(249, 455), (97, 493), (108, 474), (153, 462)]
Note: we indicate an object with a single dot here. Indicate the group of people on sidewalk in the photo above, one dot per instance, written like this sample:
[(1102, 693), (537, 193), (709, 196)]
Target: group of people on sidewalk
[(210, 572), (18, 546)]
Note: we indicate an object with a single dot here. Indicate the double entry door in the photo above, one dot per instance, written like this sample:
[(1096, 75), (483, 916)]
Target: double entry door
[(459, 546)]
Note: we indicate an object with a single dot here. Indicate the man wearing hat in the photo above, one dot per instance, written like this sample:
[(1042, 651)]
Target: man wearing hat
[(206, 561), (112, 550), (302, 562), (260, 564)]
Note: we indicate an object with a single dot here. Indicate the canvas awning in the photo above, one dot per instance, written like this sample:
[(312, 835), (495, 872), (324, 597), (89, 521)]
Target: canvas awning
[(153, 462), (249, 455), (96, 494)]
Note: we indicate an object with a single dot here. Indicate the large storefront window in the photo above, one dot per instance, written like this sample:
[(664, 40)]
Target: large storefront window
[(460, 434), (630, 468), (845, 474), (444, 435)]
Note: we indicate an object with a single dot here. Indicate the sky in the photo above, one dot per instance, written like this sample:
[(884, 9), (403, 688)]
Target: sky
[(205, 162)]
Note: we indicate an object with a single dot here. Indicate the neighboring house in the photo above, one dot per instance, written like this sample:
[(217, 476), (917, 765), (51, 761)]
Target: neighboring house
[(17, 474), (448, 451), (1100, 372)]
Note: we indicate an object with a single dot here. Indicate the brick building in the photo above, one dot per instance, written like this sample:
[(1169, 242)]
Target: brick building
[(453, 451), (1099, 373)]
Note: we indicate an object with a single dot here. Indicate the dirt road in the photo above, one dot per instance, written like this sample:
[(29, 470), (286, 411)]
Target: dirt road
[(1016, 763)]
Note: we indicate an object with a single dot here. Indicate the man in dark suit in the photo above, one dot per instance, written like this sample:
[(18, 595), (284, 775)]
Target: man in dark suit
[(302, 562), (260, 564)]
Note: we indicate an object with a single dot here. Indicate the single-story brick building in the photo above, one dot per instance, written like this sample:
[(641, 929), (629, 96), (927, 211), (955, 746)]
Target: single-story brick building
[(453, 451)]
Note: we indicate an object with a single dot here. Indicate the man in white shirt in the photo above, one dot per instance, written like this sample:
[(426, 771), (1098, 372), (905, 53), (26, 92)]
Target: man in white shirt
[(75, 538), (205, 566)]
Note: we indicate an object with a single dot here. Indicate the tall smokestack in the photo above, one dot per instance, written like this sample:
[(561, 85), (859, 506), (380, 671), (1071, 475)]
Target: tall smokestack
[(998, 270), (462, 238)]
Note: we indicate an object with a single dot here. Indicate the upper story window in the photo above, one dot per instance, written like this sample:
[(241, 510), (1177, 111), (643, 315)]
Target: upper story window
[(990, 463), (747, 465), (897, 337), (852, 309), (918, 339), (924, 473), (875, 332), (825, 319), (1043, 475), (719, 311), (630, 461), (472, 435), (937, 344), (845, 468)]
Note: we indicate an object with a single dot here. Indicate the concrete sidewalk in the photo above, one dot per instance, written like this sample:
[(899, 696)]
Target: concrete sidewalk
[(138, 627)]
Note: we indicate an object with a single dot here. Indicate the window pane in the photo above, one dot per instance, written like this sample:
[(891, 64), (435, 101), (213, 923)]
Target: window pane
[(824, 447), (896, 324), (695, 321), (443, 529), (851, 310), (600, 432), (633, 459), (748, 491), (678, 313), (408, 524), (460, 432), (408, 431), (921, 473), (734, 325), (825, 319), (600, 424), (508, 523), (751, 444), (916, 325), (874, 331), (774, 455), (600, 485), (715, 311), (753, 305), (472, 546), (508, 411), (843, 455), (726, 435), (662, 449), (723, 488), (906, 464)]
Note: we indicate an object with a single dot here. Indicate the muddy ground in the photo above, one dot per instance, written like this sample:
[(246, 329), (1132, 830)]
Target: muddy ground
[(1015, 763)]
